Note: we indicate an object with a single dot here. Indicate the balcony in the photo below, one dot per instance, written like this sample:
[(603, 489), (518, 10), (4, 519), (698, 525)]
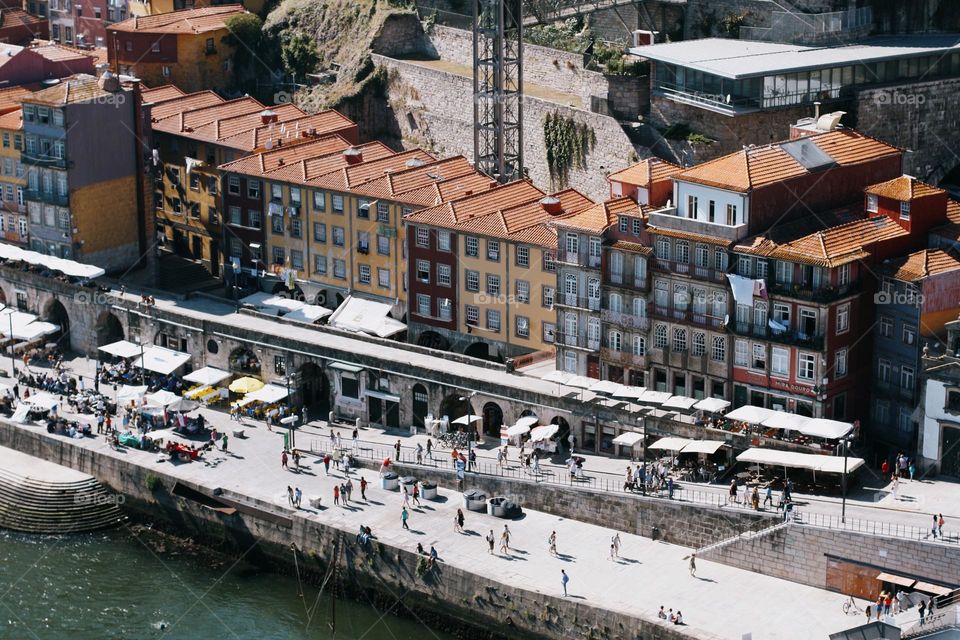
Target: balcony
[(43, 160), (623, 358), (49, 197), (578, 259), (821, 294), (576, 302), (626, 320), (668, 219), (894, 391), (687, 269), (789, 337), (577, 341)]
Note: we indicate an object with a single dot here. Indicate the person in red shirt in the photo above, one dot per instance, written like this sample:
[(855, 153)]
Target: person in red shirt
[(885, 468)]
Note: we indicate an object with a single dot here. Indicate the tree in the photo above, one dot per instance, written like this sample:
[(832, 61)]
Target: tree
[(299, 55), (245, 32)]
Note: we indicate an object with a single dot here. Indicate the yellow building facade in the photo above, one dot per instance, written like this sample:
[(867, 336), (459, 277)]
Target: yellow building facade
[(14, 226)]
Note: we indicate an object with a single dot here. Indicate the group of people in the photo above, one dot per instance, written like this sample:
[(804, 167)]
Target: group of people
[(902, 468), (675, 618)]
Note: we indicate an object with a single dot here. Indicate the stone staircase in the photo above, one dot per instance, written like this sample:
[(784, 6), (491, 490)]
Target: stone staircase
[(179, 274), (49, 507), (746, 536)]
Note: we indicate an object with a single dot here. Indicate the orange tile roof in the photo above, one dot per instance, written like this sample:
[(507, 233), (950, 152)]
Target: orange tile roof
[(314, 171), (765, 243), (953, 211), (526, 223), (55, 52), (597, 218), (19, 18), (11, 97), (172, 106), (903, 188), (645, 172), (451, 189), (632, 247), (78, 88), (249, 118), (452, 213), (264, 162), (756, 167), (185, 122), (415, 176), (839, 245), (688, 235), (193, 21), (922, 264), (160, 94), (291, 128), (349, 176), (12, 120)]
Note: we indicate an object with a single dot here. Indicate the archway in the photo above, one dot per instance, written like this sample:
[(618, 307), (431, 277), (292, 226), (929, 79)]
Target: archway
[(57, 314), (243, 360), (564, 431), (480, 350), (453, 407), (433, 340), (492, 419), (314, 389), (421, 405), (109, 329)]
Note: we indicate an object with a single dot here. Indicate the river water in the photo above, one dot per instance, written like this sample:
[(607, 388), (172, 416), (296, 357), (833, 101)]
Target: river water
[(110, 585)]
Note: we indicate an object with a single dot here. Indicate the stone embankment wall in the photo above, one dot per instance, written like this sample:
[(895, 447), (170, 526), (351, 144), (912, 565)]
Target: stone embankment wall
[(272, 536)]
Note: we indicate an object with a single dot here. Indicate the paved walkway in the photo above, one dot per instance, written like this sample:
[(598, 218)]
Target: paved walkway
[(720, 602)]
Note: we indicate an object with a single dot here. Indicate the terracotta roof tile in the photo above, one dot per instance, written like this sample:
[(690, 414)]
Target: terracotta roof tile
[(453, 213), (12, 120), (76, 89), (19, 18), (416, 176), (451, 189), (347, 177), (314, 171), (11, 97), (160, 94), (953, 211), (687, 235), (921, 264), (598, 217), (264, 162), (645, 172), (764, 243), (903, 188), (186, 122), (172, 106), (294, 125), (186, 21), (839, 245), (632, 247)]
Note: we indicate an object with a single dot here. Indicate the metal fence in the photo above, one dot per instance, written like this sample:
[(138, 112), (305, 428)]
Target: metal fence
[(798, 27)]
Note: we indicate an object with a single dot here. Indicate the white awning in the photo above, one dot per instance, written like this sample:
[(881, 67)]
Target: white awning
[(654, 397), (605, 386), (366, 316), (388, 397), (628, 438), (161, 398), (581, 382), (161, 360), (468, 419), (682, 403), (207, 376), (272, 304), (34, 330), (670, 443), (343, 366), (121, 349), (557, 376), (308, 314), (784, 420), (545, 432), (267, 394), (750, 414), (126, 393), (824, 428), (811, 461), (43, 400), (712, 405), (627, 392), (517, 430), (704, 446), (67, 267)]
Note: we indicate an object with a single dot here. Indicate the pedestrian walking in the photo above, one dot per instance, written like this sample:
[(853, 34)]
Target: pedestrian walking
[(363, 488), (297, 497), (912, 469), (490, 541), (733, 491), (460, 519), (430, 448), (755, 499), (406, 496), (349, 487), (326, 464), (296, 460), (552, 543), (336, 494), (304, 417), (454, 456), (693, 565), (505, 543), (290, 495), (416, 495), (472, 460), (616, 544), (356, 441), (397, 449), (404, 515), (922, 609), (283, 460), (223, 443), (940, 525), (933, 530), (564, 580), (343, 494), (419, 453), (456, 522), (896, 486), (611, 552), (769, 496)]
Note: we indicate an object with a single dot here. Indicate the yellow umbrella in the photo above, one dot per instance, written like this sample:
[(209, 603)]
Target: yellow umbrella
[(245, 385)]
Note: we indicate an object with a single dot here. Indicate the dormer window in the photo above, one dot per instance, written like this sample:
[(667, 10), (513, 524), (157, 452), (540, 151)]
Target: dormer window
[(872, 204), (904, 210)]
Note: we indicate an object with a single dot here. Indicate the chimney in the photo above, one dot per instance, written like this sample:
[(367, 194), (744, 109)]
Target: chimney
[(267, 116), (552, 205), (109, 82), (353, 155), (280, 161), (816, 110)]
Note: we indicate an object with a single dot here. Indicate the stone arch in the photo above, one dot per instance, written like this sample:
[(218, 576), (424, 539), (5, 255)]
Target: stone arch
[(564, 430), (480, 350), (314, 388), (453, 407), (109, 329), (244, 360), (56, 313), (492, 419), (421, 404), (280, 289), (433, 340)]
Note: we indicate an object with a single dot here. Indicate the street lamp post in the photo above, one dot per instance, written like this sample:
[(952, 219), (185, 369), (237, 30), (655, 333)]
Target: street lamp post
[(467, 399), (13, 360), (143, 372), (843, 507)]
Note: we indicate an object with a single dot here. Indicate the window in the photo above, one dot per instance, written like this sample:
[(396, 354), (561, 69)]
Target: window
[(904, 210), (781, 314), (336, 203), (843, 318), (523, 256), (383, 245), (903, 421), (423, 271), (886, 326), (319, 232), (155, 46), (175, 205), (624, 224), (212, 185), (471, 280), (383, 277), (637, 226), (363, 209), (909, 334), (423, 237), (233, 185), (549, 293), (784, 272), (339, 269), (320, 265), (679, 339), (806, 365), (235, 215), (165, 71), (762, 269), (759, 361), (743, 266), (840, 364), (472, 246), (570, 361), (699, 344), (720, 259), (683, 251), (279, 255), (615, 341), (253, 189), (872, 203), (363, 242), (712, 211), (549, 262), (883, 370), (339, 237), (523, 291), (295, 197), (194, 181), (572, 244), (255, 218), (731, 215), (423, 305), (276, 223), (907, 378), (493, 284), (780, 361), (639, 345), (740, 353), (296, 261), (296, 228), (719, 349), (702, 256), (523, 327), (493, 320), (660, 336), (443, 240), (276, 191), (383, 212), (472, 314), (443, 275), (663, 248), (843, 275), (493, 250), (692, 206), (444, 309), (6, 139)]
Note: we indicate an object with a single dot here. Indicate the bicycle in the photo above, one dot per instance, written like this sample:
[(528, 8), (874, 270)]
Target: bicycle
[(850, 607)]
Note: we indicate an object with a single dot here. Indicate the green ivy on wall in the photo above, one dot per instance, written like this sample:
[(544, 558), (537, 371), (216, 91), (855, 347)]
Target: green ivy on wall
[(567, 142)]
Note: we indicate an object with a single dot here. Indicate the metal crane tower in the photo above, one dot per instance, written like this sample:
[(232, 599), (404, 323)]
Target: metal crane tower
[(498, 88)]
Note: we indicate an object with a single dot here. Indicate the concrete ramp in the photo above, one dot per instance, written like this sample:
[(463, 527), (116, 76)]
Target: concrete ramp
[(37, 496)]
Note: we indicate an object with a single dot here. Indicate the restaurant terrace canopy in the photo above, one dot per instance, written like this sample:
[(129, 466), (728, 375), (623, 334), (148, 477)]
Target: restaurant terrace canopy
[(121, 349), (793, 459), (268, 394), (543, 433), (628, 438), (207, 375), (161, 360), (681, 403), (670, 443), (712, 405)]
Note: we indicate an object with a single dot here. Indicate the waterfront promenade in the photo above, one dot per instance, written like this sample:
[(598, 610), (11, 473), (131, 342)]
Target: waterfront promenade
[(720, 602)]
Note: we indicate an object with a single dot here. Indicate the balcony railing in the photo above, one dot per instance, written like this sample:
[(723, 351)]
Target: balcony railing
[(49, 197), (39, 160), (578, 259), (626, 320), (820, 294), (577, 302), (578, 340), (623, 358), (789, 337)]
